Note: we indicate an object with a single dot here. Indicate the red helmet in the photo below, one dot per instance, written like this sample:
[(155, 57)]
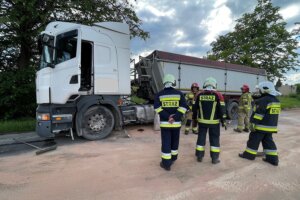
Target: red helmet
[(245, 88), (195, 85)]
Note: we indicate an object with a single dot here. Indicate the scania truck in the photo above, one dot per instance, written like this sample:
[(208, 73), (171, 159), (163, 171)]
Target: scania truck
[(84, 75)]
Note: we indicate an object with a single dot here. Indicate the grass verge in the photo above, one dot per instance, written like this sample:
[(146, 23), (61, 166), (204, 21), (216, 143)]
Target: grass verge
[(22, 125), (292, 101)]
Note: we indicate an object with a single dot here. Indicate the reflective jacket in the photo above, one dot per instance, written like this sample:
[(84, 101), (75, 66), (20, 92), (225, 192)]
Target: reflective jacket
[(170, 102), (190, 99), (209, 108), (245, 102), (265, 115)]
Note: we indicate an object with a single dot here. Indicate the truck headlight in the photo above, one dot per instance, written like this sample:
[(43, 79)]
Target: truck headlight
[(43, 116)]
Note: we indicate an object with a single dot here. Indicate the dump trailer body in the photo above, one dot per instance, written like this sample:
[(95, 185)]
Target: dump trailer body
[(187, 70)]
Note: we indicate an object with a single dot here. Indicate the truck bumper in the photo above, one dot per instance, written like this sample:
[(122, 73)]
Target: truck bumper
[(43, 129), (52, 119)]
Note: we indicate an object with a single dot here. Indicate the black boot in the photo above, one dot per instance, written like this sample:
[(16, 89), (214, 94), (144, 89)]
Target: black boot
[(275, 163), (245, 156), (173, 161), (246, 130), (164, 167), (215, 161), (199, 159), (237, 130)]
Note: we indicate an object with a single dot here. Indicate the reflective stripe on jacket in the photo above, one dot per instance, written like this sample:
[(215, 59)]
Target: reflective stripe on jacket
[(170, 102), (265, 117), (209, 108), (245, 102)]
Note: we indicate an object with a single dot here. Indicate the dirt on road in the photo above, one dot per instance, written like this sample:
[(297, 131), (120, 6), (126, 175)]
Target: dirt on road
[(121, 168)]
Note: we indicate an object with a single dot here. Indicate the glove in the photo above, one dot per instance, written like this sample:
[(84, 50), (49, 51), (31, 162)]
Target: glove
[(252, 127)]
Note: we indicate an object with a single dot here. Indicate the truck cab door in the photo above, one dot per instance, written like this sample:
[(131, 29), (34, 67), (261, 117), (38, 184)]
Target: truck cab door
[(65, 80)]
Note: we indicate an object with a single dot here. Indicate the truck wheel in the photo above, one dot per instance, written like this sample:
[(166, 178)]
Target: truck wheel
[(98, 122), (232, 110)]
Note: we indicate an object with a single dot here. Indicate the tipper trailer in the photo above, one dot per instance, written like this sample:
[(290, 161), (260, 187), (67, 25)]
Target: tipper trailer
[(85, 71), (187, 70)]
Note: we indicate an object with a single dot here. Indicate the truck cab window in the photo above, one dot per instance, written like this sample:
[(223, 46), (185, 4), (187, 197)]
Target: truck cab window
[(66, 46)]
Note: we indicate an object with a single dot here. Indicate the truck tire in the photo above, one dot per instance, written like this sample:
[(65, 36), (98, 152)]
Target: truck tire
[(98, 123), (232, 110)]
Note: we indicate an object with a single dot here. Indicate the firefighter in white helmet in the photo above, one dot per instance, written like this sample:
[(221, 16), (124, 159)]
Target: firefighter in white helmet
[(170, 104), (264, 121), (209, 110)]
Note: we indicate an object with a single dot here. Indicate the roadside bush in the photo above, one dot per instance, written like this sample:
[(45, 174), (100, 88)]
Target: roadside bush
[(17, 93), (297, 96), (293, 95)]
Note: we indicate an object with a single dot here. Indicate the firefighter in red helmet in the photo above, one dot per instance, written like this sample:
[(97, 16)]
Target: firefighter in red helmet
[(190, 99), (244, 110)]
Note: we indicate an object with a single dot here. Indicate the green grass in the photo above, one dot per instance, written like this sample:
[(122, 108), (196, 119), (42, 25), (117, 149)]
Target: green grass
[(292, 101), (23, 125)]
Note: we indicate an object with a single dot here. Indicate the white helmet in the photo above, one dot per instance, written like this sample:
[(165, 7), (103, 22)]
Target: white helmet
[(210, 81), (169, 79), (268, 87)]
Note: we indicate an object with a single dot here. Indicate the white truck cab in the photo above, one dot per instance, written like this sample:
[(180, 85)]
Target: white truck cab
[(82, 73)]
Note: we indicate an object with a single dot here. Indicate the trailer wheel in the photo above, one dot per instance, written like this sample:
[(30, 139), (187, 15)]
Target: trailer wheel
[(232, 110), (98, 123)]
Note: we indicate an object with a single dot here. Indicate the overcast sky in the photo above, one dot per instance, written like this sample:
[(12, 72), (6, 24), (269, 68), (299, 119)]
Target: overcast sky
[(189, 26)]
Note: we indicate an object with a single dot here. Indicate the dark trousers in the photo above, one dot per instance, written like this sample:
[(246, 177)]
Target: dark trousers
[(268, 144), (169, 145), (188, 123), (214, 140)]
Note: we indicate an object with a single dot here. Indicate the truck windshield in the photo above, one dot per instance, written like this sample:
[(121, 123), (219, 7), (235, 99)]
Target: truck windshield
[(64, 49), (46, 48), (46, 57)]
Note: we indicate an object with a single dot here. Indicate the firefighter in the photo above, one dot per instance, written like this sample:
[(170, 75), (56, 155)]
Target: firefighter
[(244, 109), (170, 104), (209, 110), (263, 124), (190, 99), (255, 95)]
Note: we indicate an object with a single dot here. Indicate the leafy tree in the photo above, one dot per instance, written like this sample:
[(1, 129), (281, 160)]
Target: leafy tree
[(259, 40), (21, 21)]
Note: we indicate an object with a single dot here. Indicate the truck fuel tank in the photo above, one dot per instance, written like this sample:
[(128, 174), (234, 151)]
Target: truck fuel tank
[(139, 114)]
